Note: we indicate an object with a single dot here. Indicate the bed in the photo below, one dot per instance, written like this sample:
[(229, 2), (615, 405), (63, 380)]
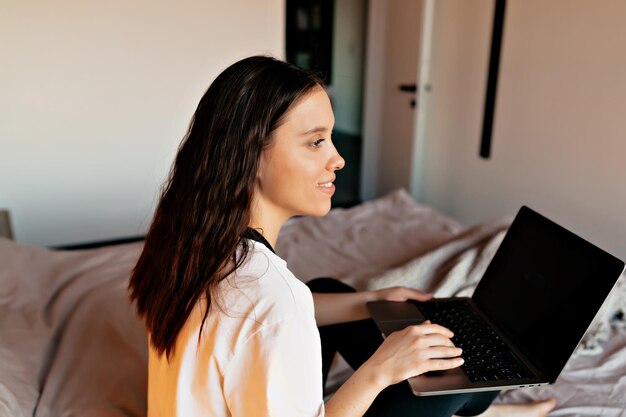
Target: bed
[(70, 344)]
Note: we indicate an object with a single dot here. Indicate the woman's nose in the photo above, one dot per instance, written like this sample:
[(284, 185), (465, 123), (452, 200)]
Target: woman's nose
[(337, 162)]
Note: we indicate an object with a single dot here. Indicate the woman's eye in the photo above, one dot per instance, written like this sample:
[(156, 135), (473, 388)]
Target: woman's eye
[(317, 143)]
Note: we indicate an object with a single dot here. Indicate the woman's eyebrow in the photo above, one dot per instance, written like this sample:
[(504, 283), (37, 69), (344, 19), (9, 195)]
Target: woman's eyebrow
[(317, 129)]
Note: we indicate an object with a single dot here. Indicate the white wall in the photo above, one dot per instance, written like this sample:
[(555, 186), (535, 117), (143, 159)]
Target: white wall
[(558, 141), (96, 96)]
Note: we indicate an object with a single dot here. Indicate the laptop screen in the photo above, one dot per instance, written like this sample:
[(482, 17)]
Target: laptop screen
[(548, 285)]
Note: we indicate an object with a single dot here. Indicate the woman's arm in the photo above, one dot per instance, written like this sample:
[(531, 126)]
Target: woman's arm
[(356, 395), (406, 353), (333, 308), (341, 307)]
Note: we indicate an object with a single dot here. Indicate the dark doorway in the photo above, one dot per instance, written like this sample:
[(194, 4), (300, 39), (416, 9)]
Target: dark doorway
[(328, 36)]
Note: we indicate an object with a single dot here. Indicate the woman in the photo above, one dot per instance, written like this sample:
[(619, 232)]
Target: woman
[(231, 330)]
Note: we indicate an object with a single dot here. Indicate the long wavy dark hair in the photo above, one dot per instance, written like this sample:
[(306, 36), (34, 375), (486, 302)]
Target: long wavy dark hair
[(204, 210)]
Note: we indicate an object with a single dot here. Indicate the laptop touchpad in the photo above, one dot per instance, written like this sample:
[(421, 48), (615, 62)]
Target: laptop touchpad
[(392, 316)]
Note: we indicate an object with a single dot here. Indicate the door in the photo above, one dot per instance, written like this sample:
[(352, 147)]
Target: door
[(390, 113)]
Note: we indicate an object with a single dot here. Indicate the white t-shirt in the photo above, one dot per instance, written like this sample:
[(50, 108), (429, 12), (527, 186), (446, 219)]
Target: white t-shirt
[(259, 356)]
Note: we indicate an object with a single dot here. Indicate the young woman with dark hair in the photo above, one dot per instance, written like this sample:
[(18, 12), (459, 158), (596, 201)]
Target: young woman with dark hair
[(231, 331)]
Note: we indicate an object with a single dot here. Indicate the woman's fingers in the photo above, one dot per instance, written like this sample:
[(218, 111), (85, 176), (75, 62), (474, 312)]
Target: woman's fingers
[(427, 328), (438, 358), (444, 352), (417, 295), (433, 348), (444, 364), (416, 350), (433, 340)]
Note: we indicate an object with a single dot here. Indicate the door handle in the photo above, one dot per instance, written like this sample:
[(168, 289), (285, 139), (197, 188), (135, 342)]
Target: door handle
[(408, 88)]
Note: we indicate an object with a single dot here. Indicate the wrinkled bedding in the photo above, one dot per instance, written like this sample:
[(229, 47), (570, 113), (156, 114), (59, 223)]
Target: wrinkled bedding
[(71, 345), (69, 341)]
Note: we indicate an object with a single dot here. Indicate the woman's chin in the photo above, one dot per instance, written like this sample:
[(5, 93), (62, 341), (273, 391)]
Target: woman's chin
[(320, 210)]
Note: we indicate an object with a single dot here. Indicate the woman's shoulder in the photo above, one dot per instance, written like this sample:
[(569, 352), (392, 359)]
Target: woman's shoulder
[(265, 284)]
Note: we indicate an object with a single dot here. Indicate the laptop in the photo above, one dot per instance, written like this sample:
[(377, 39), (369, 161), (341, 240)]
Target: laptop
[(533, 305)]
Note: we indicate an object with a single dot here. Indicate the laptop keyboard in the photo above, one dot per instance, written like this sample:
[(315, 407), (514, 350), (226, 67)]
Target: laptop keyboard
[(487, 357)]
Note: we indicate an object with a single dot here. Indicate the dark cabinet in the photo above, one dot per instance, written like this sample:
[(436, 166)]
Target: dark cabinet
[(309, 35)]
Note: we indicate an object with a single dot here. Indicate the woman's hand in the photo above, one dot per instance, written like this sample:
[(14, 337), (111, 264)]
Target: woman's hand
[(406, 353), (413, 351), (400, 294)]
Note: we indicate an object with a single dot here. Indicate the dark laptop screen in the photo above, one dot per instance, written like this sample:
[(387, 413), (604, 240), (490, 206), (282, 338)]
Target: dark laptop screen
[(549, 284)]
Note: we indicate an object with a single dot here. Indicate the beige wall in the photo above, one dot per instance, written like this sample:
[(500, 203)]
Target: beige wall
[(560, 125), (95, 97)]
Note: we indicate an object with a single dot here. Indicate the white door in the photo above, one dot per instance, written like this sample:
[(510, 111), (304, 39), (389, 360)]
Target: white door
[(393, 54)]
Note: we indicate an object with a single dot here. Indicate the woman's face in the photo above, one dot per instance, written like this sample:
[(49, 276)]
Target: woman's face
[(297, 170)]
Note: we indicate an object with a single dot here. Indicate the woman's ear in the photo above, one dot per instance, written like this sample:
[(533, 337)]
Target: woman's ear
[(262, 166)]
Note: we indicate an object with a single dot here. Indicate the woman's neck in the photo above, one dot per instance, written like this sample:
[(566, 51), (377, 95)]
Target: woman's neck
[(267, 222)]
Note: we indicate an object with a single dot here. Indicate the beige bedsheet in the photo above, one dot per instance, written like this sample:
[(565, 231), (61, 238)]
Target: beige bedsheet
[(70, 344)]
